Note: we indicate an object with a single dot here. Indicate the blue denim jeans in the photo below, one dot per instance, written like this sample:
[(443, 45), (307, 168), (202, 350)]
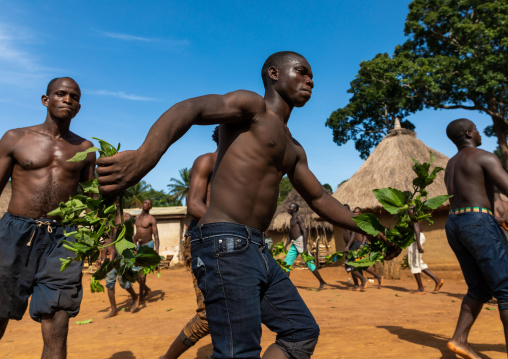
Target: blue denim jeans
[(243, 286), (482, 251)]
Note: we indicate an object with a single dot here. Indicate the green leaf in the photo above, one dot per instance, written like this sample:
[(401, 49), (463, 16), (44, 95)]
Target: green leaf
[(107, 149), (124, 244), (91, 186), (369, 224), (80, 156), (147, 257), (435, 202), (85, 322), (390, 198)]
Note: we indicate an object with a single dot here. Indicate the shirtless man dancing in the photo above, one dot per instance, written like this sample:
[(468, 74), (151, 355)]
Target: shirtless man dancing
[(473, 232), (299, 242), (197, 204), (30, 249), (242, 284), (146, 235)]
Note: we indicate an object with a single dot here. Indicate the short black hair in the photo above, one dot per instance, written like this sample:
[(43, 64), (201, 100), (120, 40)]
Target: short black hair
[(347, 206), (52, 83), (215, 135), (457, 129), (297, 207), (276, 60)]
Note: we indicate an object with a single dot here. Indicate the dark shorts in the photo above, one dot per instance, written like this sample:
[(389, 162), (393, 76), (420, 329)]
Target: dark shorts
[(35, 270), (243, 286), (482, 251)]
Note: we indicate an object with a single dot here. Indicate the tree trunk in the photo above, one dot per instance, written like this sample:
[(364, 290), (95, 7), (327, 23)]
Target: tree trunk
[(500, 128)]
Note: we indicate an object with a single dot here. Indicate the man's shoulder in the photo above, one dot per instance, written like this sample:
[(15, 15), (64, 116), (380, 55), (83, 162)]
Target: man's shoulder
[(204, 161), (77, 139), (248, 100)]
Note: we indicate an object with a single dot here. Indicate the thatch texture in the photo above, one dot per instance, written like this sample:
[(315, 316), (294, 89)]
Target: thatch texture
[(390, 165), (281, 218), (5, 198)]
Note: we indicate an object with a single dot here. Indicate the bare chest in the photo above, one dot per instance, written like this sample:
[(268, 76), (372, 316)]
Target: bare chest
[(143, 223), (280, 147)]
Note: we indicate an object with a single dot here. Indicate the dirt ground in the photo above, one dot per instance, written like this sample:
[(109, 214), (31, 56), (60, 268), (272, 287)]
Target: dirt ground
[(378, 323)]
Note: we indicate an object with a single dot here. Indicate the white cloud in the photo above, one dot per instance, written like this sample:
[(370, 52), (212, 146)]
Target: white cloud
[(128, 37), (122, 95), (11, 53)]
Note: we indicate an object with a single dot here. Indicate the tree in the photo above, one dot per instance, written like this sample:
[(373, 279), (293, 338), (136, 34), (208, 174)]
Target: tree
[(377, 100), (179, 188), (455, 58), (285, 187), (136, 195)]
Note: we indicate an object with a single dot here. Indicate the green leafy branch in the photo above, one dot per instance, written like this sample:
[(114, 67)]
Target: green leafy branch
[(275, 251), (406, 207), (93, 216)]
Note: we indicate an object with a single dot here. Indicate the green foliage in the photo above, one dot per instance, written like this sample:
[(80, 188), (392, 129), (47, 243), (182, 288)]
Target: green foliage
[(275, 251), (94, 220), (179, 188), (285, 187), (414, 207), (85, 322)]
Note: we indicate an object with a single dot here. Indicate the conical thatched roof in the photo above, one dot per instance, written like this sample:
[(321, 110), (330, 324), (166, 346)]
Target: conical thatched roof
[(280, 221), (5, 198), (390, 165)]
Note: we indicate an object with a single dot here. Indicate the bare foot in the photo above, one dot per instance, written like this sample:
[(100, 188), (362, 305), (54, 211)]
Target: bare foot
[(147, 291), (380, 282), (355, 287), (439, 285), (462, 350), (113, 313), (364, 284), (418, 292), (135, 303), (321, 286)]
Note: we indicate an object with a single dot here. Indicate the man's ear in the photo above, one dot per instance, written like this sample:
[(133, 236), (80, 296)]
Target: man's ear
[(45, 100), (273, 73)]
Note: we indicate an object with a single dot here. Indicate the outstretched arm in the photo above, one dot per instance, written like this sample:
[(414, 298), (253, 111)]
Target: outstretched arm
[(127, 168), (316, 197)]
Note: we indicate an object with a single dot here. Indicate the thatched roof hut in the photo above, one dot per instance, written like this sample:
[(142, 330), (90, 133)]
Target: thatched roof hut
[(5, 198), (390, 165), (280, 221)]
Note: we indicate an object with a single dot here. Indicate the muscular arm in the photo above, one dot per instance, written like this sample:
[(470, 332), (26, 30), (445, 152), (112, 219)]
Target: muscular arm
[(6, 161), (155, 234), (495, 171), (128, 167), (319, 200), (198, 187)]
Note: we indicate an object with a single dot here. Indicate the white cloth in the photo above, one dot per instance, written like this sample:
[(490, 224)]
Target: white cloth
[(298, 243), (414, 258)]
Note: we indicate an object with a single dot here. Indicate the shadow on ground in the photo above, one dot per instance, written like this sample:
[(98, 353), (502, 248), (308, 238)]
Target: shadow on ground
[(438, 341), (123, 355), (205, 352)]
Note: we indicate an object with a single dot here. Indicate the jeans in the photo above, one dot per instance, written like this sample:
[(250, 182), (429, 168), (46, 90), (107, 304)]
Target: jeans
[(482, 251), (243, 286)]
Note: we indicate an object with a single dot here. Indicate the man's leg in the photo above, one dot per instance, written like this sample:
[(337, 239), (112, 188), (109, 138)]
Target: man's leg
[(421, 289), (504, 319), (135, 298), (3, 326), (469, 311), (322, 283), (274, 352), (439, 282), (112, 302), (378, 277), (54, 334)]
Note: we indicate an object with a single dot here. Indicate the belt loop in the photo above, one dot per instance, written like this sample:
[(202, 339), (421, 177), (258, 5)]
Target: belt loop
[(248, 234), (201, 232)]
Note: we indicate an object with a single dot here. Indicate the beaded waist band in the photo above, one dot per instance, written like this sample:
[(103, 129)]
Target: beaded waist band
[(470, 209)]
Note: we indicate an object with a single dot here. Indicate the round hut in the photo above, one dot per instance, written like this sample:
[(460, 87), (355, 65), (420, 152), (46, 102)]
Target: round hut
[(5, 197), (320, 233), (390, 165)]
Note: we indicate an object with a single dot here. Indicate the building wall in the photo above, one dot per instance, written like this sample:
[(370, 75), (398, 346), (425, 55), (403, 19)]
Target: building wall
[(170, 234)]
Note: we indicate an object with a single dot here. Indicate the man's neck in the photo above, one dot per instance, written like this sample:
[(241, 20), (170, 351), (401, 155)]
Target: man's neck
[(145, 212), (56, 128), (278, 105)]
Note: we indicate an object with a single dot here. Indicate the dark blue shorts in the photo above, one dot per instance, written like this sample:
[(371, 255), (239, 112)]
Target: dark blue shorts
[(35, 269), (482, 251), (243, 286)]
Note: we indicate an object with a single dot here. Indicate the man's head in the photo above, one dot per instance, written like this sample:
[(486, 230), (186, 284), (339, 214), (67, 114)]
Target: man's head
[(147, 204), (357, 211), (62, 98), (293, 208), (462, 132), (290, 75), (347, 206), (215, 135)]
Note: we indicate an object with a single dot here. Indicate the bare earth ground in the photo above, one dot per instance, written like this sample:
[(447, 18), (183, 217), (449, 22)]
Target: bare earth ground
[(378, 323)]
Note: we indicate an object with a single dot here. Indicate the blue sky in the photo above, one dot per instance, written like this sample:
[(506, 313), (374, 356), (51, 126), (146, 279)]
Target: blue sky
[(134, 60)]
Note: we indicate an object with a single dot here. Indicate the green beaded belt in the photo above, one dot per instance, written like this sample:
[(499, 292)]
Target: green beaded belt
[(470, 209)]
